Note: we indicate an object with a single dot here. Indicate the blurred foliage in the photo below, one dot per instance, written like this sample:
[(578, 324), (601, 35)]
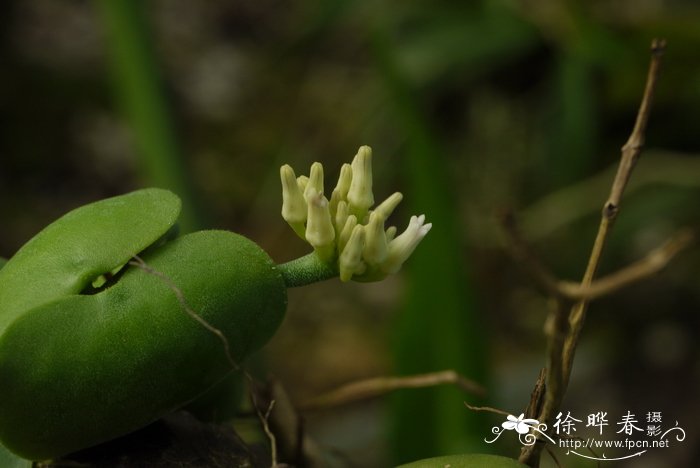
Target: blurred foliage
[(448, 337), (469, 108), (137, 81)]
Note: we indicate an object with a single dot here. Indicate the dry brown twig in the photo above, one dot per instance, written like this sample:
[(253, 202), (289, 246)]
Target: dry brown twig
[(565, 322), (487, 409), (264, 419), (654, 262), (370, 388), (293, 443)]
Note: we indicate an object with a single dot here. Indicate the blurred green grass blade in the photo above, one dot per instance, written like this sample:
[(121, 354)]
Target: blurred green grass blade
[(3, 261), (590, 39), (438, 327), (467, 46), (139, 88), (557, 210), (570, 130)]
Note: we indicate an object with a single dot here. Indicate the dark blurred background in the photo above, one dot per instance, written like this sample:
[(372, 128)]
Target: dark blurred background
[(470, 109)]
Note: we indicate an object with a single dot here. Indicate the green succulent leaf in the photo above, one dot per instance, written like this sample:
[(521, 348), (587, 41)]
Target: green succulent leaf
[(10, 460), (66, 256), (472, 460), (81, 366)]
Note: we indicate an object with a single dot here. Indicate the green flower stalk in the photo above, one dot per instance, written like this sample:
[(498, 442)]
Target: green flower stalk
[(349, 239)]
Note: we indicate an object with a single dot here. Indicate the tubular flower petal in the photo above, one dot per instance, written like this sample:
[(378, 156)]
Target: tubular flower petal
[(319, 228), (315, 180), (340, 192), (341, 217), (403, 246), (389, 205), (344, 233), (293, 203), (351, 259), (360, 196), (390, 233), (303, 181), (375, 251)]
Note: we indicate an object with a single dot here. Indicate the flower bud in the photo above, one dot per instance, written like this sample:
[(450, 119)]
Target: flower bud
[(319, 228), (387, 207), (402, 247), (346, 232), (293, 203), (375, 251), (302, 181), (350, 262), (341, 216), (315, 180), (340, 192), (360, 196)]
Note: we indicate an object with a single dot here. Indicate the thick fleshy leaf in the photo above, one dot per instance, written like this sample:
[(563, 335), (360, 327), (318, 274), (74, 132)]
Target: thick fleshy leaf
[(10, 460), (91, 240), (84, 369), (472, 460)]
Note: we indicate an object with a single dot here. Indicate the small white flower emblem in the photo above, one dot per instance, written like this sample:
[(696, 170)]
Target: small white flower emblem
[(520, 424)]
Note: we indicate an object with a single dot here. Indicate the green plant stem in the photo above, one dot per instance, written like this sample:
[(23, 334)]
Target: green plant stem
[(308, 269)]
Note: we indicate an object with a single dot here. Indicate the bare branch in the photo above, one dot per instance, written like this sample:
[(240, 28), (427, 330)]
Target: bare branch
[(292, 444), (378, 386), (521, 251), (561, 351), (264, 420), (487, 409), (654, 262), (630, 154), (537, 396), (633, 146)]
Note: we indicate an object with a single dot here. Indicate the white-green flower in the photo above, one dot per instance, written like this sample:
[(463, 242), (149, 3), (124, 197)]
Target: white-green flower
[(344, 230)]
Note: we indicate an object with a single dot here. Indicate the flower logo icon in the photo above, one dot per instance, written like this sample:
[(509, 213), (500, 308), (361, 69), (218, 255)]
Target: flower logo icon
[(527, 429), (520, 424)]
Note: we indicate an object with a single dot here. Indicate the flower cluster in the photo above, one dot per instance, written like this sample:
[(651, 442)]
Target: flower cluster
[(344, 229)]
